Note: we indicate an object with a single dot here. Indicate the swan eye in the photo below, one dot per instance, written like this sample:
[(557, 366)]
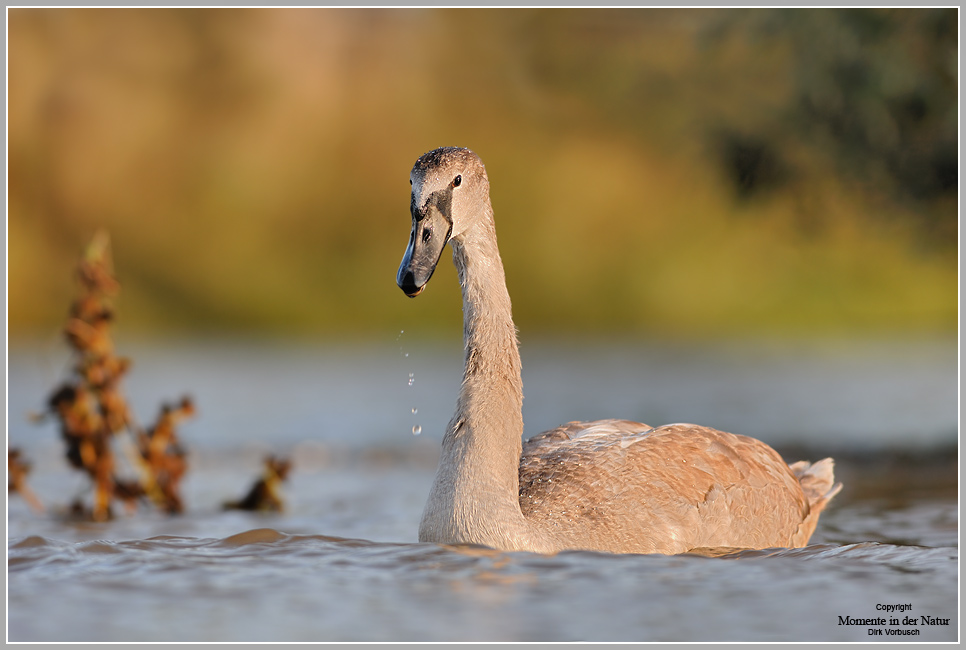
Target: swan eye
[(457, 181), (427, 235)]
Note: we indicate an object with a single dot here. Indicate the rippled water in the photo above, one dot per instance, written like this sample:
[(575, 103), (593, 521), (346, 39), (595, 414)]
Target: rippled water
[(342, 563)]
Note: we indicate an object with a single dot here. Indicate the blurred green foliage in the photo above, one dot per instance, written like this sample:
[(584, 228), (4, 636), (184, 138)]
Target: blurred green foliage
[(661, 172), (876, 90)]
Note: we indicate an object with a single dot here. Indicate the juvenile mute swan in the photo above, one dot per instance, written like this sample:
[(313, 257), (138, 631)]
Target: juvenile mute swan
[(610, 485)]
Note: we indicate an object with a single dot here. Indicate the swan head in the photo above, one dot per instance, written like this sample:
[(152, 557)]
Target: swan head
[(449, 192)]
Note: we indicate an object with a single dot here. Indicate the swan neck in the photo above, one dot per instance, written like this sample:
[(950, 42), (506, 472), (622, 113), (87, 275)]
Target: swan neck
[(492, 362), (476, 496)]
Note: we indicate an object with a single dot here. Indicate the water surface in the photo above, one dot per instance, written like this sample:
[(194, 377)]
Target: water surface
[(343, 563)]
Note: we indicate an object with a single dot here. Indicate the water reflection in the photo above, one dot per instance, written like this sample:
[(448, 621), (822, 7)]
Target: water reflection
[(363, 590), (896, 394), (342, 563)]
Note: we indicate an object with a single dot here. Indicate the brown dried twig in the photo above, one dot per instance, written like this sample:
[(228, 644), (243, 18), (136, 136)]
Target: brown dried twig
[(164, 456), (266, 493), (93, 411), (17, 470)]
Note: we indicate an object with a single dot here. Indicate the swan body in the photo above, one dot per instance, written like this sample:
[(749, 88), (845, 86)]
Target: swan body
[(609, 485)]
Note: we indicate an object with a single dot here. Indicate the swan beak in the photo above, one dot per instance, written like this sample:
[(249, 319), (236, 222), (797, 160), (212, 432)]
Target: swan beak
[(432, 228)]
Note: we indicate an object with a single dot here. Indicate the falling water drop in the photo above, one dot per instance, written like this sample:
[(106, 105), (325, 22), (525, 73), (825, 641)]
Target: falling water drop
[(411, 379), (417, 429), (415, 410)]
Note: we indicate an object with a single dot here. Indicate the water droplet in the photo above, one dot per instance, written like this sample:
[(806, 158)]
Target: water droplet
[(417, 429), (411, 379), (406, 354), (415, 410)]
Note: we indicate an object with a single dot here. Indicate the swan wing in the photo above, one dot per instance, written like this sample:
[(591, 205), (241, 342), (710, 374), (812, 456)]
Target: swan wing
[(670, 489)]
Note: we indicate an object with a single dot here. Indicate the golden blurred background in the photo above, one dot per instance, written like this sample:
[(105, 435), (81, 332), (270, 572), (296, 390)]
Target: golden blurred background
[(685, 173)]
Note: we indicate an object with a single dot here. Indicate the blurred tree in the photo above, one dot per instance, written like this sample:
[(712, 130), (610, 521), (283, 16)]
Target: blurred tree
[(873, 90)]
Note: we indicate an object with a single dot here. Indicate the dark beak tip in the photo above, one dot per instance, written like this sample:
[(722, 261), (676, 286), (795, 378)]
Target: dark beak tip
[(407, 282)]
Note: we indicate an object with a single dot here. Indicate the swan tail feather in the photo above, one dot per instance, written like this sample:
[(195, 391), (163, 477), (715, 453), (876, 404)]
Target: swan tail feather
[(817, 481), (819, 486)]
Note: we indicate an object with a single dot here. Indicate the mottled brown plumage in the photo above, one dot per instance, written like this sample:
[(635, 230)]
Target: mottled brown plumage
[(668, 489), (610, 485)]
